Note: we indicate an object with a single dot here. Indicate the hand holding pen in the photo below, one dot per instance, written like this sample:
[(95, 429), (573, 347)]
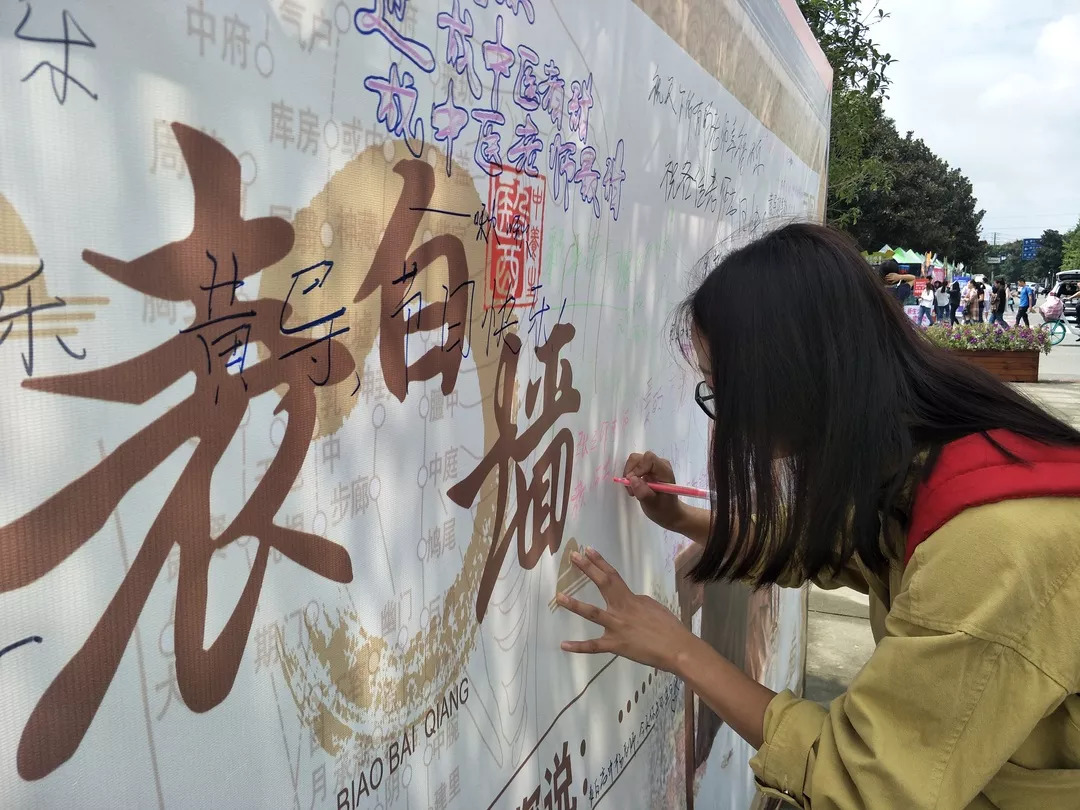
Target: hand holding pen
[(649, 479)]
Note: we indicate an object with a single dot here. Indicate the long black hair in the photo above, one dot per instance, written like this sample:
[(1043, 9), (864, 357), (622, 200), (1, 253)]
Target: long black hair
[(826, 395)]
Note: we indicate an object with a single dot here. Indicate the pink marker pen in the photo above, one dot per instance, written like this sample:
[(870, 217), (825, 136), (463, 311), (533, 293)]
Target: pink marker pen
[(671, 489)]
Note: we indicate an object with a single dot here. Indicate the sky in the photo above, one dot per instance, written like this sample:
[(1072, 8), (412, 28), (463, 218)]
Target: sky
[(993, 87)]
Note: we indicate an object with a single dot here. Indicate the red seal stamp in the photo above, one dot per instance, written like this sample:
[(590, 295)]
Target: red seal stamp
[(515, 246)]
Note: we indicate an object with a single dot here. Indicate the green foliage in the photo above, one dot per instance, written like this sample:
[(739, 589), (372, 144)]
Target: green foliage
[(884, 188), (843, 31), (929, 206), (1048, 259), (1070, 249), (1012, 269), (854, 168), (859, 80)]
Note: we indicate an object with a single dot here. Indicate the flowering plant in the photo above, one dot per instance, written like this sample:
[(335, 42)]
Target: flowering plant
[(979, 337)]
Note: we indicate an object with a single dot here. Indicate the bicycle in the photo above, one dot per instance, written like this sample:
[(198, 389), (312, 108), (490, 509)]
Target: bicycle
[(1054, 320), (1058, 328)]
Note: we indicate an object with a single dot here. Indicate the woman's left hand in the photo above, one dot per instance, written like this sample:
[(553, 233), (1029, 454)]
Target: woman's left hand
[(635, 627)]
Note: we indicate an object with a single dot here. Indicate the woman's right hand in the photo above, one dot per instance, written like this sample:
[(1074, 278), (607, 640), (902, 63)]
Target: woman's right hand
[(666, 511)]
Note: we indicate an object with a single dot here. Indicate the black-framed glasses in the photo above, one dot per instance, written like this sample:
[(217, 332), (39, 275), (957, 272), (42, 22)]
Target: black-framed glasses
[(706, 399)]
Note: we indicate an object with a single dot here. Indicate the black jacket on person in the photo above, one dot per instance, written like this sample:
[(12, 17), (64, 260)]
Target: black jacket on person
[(998, 300)]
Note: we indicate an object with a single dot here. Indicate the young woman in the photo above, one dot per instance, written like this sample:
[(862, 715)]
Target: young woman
[(971, 296), (846, 449), (941, 298), (954, 301), (926, 305), (997, 304)]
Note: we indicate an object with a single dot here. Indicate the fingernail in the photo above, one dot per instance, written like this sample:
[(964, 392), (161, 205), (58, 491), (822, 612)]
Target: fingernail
[(564, 647), (575, 557), (592, 552), (561, 598)]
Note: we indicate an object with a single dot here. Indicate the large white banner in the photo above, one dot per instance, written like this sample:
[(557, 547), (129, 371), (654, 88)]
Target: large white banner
[(323, 329)]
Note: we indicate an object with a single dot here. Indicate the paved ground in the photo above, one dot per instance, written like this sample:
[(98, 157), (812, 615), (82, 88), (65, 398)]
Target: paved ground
[(1063, 362), (838, 633)]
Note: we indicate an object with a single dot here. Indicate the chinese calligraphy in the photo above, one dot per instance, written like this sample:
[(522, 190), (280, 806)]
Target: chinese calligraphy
[(547, 496), (459, 48), (317, 282), (517, 214), (204, 677), (393, 265), (8, 319), (397, 106), (447, 121), (59, 76), (559, 780), (379, 19), (486, 70)]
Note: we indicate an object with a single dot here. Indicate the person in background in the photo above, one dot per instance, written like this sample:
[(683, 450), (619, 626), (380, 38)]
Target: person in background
[(997, 304), (891, 466), (1027, 299), (980, 304), (1075, 297), (941, 299), (899, 283), (970, 295), (926, 305), (954, 302)]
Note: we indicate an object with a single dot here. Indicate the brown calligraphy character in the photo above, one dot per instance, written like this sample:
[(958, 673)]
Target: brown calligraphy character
[(386, 268), (549, 493), (36, 543), (559, 783)]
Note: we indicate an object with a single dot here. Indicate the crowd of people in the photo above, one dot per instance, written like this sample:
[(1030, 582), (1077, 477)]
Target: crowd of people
[(975, 302)]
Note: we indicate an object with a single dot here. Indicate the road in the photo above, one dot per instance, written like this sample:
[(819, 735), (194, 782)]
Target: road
[(1063, 362)]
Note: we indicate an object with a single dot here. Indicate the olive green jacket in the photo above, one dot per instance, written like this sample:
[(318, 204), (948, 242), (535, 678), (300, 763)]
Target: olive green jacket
[(971, 698)]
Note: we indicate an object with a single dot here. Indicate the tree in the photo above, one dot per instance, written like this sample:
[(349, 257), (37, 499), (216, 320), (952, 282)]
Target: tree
[(929, 206), (1070, 250), (1048, 258), (1011, 267), (884, 188), (842, 30), (859, 81), (854, 168)]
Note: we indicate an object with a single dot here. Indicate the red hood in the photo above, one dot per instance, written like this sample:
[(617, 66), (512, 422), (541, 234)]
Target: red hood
[(973, 472)]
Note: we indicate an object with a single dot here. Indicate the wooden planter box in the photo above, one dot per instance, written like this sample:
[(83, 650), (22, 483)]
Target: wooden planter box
[(1020, 367)]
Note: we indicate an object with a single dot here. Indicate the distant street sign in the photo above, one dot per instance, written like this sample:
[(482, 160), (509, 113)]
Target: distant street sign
[(1029, 249), (994, 260)]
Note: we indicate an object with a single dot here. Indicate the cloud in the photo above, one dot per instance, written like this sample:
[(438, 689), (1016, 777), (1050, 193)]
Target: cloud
[(1059, 43), (992, 87)]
